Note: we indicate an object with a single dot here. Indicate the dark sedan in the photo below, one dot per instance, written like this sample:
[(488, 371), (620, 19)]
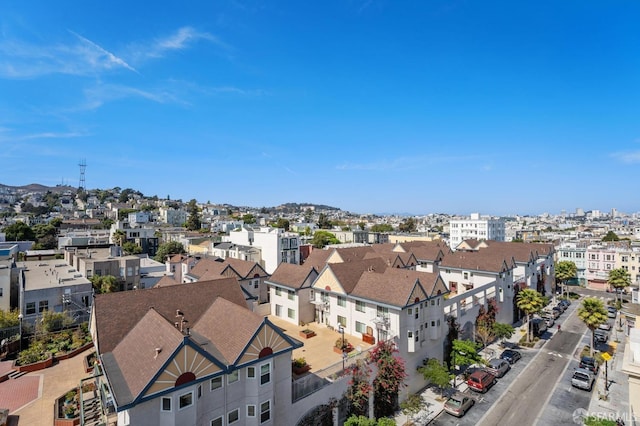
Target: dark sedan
[(510, 355)]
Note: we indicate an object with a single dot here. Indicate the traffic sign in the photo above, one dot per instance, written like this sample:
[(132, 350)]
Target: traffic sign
[(606, 356)]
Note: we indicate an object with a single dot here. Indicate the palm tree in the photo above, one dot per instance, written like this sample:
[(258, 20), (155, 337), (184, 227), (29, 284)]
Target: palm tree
[(119, 237), (565, 270), (593, 314), (619, 278), (529, 301)]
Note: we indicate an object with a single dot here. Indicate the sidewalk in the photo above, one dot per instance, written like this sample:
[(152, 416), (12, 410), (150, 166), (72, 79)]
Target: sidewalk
[(614, 402)]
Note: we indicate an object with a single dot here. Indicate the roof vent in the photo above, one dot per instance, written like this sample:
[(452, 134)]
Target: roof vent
[(158, 350)]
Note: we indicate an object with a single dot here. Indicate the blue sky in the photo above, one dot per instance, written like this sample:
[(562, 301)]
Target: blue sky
[(500, 107)]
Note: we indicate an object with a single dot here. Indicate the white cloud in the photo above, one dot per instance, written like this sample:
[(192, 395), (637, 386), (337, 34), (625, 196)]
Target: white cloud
[(99, 56), (628, 157), (53, 135), (181, 39), (101, 94)]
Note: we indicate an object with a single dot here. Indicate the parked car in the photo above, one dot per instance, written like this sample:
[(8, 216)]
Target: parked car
[(611, 311), (498, 367), (561, 306), (458, 404), (565, 302), (558, 310), (548, 319), (554, 312), (481, 381), (539, 326), (600, 335), (606, 326), (590, 364), (510, 356), (583, 379)]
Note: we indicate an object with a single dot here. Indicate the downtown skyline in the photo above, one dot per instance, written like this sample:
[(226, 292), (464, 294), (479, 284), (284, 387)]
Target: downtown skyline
[(372, 106)]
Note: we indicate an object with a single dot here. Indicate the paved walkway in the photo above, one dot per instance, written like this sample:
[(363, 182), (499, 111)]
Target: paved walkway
[(31, 409)]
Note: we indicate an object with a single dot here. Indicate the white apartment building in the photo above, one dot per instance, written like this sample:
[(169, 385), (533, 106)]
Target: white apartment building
[(173, 217), (276, 244), (576, 253), (476, 227)]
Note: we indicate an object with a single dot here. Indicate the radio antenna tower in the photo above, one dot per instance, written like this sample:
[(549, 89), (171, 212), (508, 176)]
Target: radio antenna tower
[(83, 166)]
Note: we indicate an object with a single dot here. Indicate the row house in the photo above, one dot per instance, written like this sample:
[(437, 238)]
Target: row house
[(276, 245), (189, 354), (103, 262), (629, 260), (226, 249), (577, 253), (249, 275), (291, 293), (600, 260)]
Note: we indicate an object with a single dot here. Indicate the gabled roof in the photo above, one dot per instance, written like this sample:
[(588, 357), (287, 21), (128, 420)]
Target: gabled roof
[(165, 281), (207, 266), (318, 258), (134, 362), (246, 268), (478, 261), (291, 275), (398, 287), (116, 314), (348, 273)]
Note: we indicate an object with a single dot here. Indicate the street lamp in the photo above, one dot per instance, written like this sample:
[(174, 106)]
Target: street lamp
[(20, 317), (344, 353)]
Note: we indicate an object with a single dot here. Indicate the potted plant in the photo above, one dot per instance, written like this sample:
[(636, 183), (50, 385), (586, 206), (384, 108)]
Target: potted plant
[(342, 345), (300, 366), (307, 333), (70, 411), (70, 396)]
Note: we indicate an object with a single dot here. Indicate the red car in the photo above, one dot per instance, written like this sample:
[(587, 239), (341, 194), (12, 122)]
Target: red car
[(481, 381)]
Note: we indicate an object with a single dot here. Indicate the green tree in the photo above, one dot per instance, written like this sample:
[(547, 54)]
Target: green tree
[(359, 388), (168, 249), (9, 318), (485, 333), (437, 373), (611, 236), (52, 321), (361, 225), (193, 221), (408, 225), (465, 352), (308, 215), (130, 247), (124, 213), (119, 237), (56, 222), (365, 421), (565, 270), (248, 218), (412, 405), (593, 313), (619, 279), (529, 301), (324, 222), (389, 379), (19, 231), (283, 223), (104, 283), (106, 223), (322, 238), (503, 331), (382, 227)]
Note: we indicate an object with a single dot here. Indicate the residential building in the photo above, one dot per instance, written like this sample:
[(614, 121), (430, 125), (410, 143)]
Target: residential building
[(105, 261), (171, 216), (577, 253), (8, 295), (629, 260), (54, 286), (291, 294), (476, 227), (276, 244), (191, 354)]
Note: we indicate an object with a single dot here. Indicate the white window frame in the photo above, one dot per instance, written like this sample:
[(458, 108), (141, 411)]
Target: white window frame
[(167, 398), (230, 376), (237, 411), (216, 419), (360, 303), (268, 365), (253, 369), (268, 402), (220, 378), (180, 401), (254, 410)]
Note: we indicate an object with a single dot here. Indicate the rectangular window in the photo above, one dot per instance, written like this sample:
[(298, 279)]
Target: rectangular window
[(122, 272), (265, 411), (216, 422), (360, 327), (233, 416), (383, 312), (186, 400), (265, 374), (312, 295), (360, 306), (278, 291), (251, 410), (410, 334), (409, 311), (43, 305), (342, 301), (31, 308), (232, 377), (216, 383), (416, 335), (166, 404), (291, 313), (291, 294), (278, 310), (199, 391), (251, 372), (129, 271), (256, 283), (342, 320)]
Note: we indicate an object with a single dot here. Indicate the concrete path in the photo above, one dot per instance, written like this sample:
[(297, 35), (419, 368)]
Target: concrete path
[(51, 383)]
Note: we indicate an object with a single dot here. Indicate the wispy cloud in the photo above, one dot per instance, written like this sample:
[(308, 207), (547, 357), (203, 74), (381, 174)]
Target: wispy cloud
[(181, 39), (20, 59), (53, 135), (627, 157), (99, 95), (404, 163)]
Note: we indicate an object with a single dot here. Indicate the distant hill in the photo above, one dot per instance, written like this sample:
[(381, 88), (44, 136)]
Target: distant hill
[(36, 187)]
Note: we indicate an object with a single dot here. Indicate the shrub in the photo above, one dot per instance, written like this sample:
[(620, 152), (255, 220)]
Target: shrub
[(70, 395), (339, 343), (299, 362), (35, 353)]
